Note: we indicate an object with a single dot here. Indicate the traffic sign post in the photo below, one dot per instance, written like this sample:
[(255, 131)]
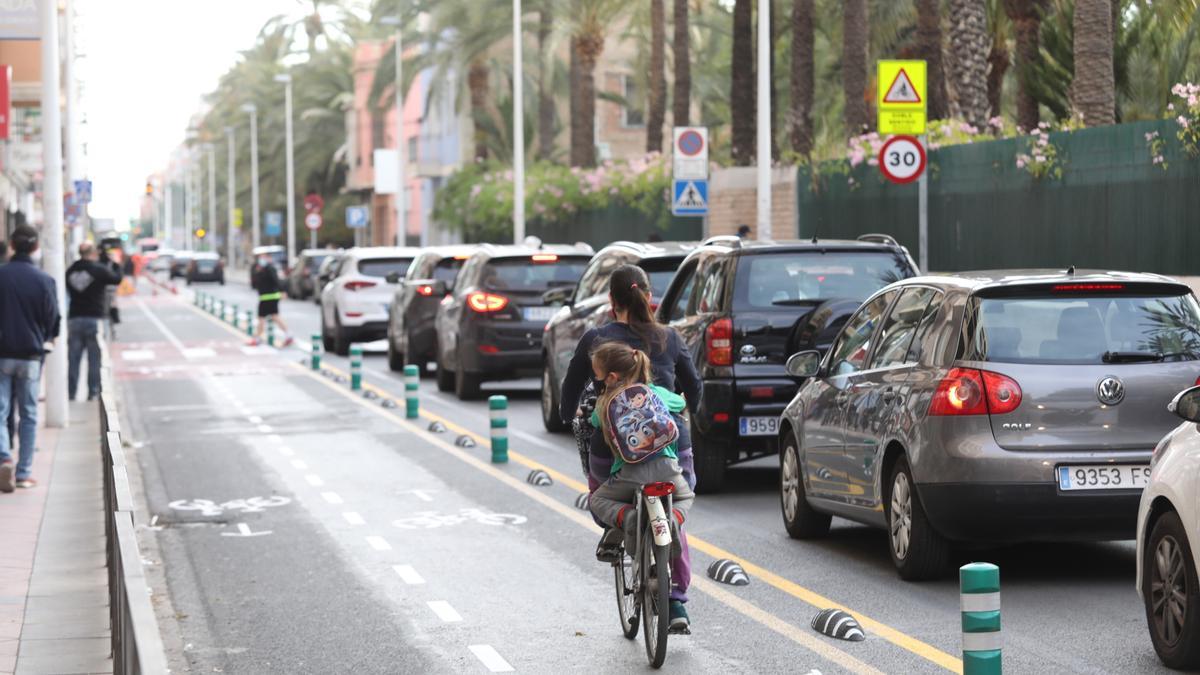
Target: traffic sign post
[(901, 97), (902, 159), (357, 218), (83, 191), (690, 171)]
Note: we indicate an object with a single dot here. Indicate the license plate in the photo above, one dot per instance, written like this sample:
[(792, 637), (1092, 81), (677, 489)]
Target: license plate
[(758, 426), (538, 313), (1104, 477)]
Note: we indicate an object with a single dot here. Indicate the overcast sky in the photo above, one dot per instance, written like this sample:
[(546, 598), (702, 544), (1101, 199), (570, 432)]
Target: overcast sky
[(146, 64)]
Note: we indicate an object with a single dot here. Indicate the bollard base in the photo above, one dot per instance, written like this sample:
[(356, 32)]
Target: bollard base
[(982, 663), (412, 409), (499, 451)]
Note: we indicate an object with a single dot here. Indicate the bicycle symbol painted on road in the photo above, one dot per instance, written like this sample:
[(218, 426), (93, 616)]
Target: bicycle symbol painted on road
[(428, 520), (208, 507)]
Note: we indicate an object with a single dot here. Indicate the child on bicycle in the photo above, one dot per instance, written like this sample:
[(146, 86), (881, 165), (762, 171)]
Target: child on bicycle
[(633, 415)]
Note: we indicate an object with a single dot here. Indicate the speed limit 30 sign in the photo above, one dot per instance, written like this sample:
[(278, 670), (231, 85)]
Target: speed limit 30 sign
[(902, 159)]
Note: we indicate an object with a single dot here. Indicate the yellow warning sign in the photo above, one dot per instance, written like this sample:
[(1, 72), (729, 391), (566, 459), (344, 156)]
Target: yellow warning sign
[(901, 97)]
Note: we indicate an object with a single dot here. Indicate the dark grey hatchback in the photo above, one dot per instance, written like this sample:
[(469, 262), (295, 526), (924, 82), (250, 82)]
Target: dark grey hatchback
[(989, 407)]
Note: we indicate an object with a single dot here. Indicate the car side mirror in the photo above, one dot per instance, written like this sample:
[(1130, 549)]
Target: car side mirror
[(804, 364), (392, 277), (1186, 404), (558, 296)]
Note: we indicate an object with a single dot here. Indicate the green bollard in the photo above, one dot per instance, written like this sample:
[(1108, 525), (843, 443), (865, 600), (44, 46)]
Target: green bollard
[(355, 367), (412, 382), (498, 412), (250, 323), (270, 332), (237, 317), (221, 310), (979, 585), (196, 298), (316, 351)]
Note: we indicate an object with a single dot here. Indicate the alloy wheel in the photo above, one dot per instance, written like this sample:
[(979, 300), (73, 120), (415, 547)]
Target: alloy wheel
[(1168, 590), (901, 513), (790, 483)]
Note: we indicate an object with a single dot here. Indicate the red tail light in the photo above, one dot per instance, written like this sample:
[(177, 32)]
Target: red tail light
[(489, 349), (1087, 288), (486, 302), (721, 417), (762, 392), (719, 342), (425, 290), (658, 489), (966, 391), (356, 285)]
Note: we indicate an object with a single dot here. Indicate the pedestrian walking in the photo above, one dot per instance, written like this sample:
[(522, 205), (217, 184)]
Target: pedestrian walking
[(88, 281), (265, 280), (743, 232), (30, 320), (11, 423)]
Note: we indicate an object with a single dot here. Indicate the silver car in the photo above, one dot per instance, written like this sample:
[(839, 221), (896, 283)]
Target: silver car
[(989, 407)]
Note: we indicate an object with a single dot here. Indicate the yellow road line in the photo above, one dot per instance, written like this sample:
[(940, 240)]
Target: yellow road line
[(805, 595)]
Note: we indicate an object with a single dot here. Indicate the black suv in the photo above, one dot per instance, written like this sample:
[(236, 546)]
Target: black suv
[(586, 306), (412, 335), (744, 307), (490, 327)]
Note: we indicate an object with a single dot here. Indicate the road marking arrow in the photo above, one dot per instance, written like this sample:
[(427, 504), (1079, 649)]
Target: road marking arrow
[(244, 531)]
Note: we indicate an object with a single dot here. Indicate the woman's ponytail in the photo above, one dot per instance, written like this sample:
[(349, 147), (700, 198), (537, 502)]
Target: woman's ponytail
[(629, 288)]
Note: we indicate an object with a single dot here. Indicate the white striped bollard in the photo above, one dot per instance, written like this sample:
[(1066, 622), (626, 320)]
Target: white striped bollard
[(498, 414), (355, 367), (221, 310), (270, 332), (250, 323), (981, 637), (237, 317), (316, 351), (412, 383)]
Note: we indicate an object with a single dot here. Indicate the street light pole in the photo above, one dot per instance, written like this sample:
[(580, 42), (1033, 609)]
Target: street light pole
[(230, 185), (168, 214), (286, 80), (212, 189), (401, 145), (71, 140), (52, 210), (256, 235), (764, 120), (518, 129)]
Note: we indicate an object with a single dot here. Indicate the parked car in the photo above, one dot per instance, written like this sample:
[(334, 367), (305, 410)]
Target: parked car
[(1168, 539), (989, 407), (302, 277), (354, 305), (326, 271), (180, 262), (161, 262), (205, 267), (743, 308), (490, 327), (412, 335), (278, 256), (586, 306)]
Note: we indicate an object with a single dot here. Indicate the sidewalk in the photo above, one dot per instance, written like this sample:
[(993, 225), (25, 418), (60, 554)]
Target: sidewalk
[(54, 615)]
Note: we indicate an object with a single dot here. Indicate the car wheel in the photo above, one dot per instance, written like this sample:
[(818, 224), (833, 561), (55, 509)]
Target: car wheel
[(445, 376), (917, 550), (550, 418), (395, 359), (466, 385), (415, 360), (341, 340), (709, 454), (799, 517), (1171, 592), (326, 338)]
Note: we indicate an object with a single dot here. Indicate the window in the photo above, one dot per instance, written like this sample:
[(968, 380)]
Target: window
[(633, 114), (898, 331), (683, 293), (854, 344), (710, 285), (381, 267), (595, 279), (807, 278), (522, 274), (447, 270), (378, 130), (412, 149)]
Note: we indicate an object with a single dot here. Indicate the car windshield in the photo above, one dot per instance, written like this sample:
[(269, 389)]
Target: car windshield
[(447, 271), (660, 271), (381, 267), (314, 262), (1082, 330), (522, 274), (802, 277)]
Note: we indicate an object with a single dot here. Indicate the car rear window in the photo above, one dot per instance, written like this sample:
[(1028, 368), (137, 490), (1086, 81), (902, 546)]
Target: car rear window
[(1082, 330), (524, 274), (314, 262), (381, 267), (447, 271), (660, 271), (806, 277)]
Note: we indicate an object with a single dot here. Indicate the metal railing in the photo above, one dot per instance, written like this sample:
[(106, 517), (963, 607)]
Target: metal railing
[(136, 643)]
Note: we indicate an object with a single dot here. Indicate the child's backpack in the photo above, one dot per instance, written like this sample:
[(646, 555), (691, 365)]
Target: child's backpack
[(638, 424)]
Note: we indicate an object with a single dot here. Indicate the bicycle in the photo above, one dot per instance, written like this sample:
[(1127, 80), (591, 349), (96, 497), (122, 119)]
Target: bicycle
[(643, 576)]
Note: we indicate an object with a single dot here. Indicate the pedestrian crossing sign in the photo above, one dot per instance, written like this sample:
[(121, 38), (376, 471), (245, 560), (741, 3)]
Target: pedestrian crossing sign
[(690, 198), (901, 97)]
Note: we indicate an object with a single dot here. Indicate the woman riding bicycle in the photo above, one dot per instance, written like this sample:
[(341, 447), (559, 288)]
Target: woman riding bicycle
[(673, 370)]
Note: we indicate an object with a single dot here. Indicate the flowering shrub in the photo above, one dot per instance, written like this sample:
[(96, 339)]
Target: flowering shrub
[(1188, 118), (1041, 158), (1155, 144)]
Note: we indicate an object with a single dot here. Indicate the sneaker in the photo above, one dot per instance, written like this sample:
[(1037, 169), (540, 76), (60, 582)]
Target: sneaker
[(6, 476), (609, 548), (25, 483), (680, 625), (289, 341)]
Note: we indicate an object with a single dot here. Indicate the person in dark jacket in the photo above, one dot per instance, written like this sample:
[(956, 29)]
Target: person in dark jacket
[(265, 280), (88, 281), (673, 370), (29, 319)]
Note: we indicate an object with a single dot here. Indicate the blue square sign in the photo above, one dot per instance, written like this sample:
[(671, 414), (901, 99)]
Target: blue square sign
[(357, 216), (690, 198), (274, 224)]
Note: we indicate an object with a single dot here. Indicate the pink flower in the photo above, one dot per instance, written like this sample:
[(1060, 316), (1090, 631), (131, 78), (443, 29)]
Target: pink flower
[(1020, 161), (1170, 107), (475, 190), (1040, 159), (874, 161), (1182, 121), (613, 191)]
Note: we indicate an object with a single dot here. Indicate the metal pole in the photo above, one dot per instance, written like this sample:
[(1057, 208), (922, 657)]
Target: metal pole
[(764, 120), (518, 129), (52, 211), (71, 140), (231, 183), (168, 216), (256, 235), (401, 142), (291, 171), (923, 215), (187, 202), (212, 191)]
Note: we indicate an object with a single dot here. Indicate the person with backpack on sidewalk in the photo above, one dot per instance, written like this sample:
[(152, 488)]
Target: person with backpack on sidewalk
[(29, 319), (88, 281), (265, 279)]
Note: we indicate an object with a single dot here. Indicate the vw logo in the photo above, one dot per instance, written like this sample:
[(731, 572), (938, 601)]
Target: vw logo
[(1110, 391), (748, 350)]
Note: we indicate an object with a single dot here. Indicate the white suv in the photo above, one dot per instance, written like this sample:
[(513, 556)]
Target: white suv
[(1168, 540), (354, 304)]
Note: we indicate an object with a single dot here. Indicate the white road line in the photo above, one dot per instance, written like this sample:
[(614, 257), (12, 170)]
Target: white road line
[(265, 428), (255, 419), (199, 353), (275, 438), (299, 464), (408, 574), (491, 658), (379, 543), (286, 451), (138, 355), (353, 518), (444, 611), (332, 497), (162, 327), (314, 480)]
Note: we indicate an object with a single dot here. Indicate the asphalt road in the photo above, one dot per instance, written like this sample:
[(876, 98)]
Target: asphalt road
[(344, 583)]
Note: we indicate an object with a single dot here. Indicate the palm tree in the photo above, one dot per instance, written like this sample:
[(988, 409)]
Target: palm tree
[(800, 123), (969, 48), (929, 47), (742, 84), (1094, 89), (856, 32), (682, 98), (657, 103), (1026, 16), (998, 58), (590, 24), (545, 114)]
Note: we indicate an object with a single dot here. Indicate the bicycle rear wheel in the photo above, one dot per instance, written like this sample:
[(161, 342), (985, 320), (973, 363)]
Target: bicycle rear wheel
[(627, 606), (656, 590)]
